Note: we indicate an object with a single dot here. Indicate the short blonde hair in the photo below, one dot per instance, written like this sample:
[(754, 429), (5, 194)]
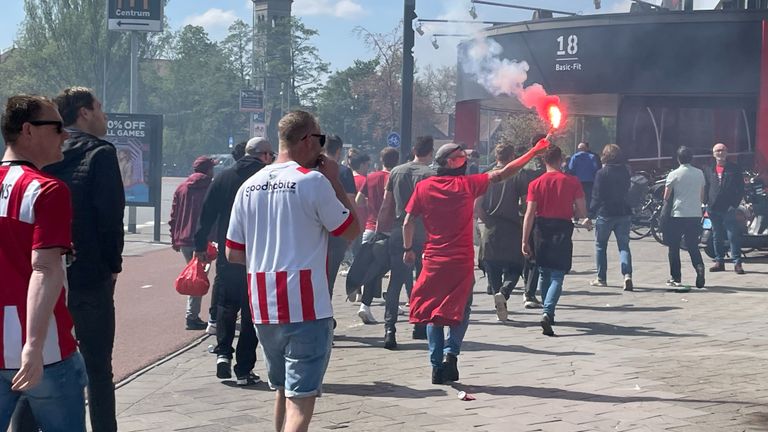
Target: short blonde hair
[(294, 126), (611, 154)]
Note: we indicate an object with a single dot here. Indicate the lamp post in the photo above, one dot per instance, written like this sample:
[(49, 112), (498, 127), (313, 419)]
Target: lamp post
[(406, 107)]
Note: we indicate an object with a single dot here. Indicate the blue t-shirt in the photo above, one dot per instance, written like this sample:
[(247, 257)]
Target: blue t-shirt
[(584, 166)]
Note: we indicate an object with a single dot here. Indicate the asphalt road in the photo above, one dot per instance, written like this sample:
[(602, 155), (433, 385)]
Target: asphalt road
[(145, 215)]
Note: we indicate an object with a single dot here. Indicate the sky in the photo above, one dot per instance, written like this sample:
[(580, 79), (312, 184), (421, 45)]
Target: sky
[(336, 19)]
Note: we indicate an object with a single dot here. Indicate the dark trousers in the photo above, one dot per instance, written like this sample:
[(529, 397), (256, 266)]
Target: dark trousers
[(232, 288), (400, 274), (502, 274), (337, 248), (587, 187), (690, 229), (531, 278), (92, 307)]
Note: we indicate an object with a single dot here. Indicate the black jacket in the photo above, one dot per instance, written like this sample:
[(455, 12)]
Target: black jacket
[(726, 194), (609, 192), (92, 173), (218, 203)]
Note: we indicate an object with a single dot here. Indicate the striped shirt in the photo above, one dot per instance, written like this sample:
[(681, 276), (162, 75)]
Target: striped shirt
[(281, 218), (35, 213)]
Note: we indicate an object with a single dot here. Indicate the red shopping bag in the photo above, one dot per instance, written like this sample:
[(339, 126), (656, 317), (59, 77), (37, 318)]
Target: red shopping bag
[(212, 252), (193, 280)]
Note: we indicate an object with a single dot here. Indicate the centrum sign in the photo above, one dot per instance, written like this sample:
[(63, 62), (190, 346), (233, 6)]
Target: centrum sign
[(135, 15)]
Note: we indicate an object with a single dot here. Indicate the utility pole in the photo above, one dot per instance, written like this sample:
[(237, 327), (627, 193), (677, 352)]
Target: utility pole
[(133, 109), (406, 113)]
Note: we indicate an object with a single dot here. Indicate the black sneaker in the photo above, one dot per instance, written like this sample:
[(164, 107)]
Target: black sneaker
[(451, 368), (248, 380), (419, 331), (196, 324), (223, 368), (700, 276), (437, 376), (546, 325), (390, 342)]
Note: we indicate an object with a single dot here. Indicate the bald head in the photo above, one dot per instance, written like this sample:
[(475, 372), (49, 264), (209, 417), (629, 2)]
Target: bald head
[(720, 153), (583, 147), (257, 145)]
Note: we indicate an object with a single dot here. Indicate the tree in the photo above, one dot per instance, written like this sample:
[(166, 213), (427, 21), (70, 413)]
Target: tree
[(238, 47), (343, 105), (440, 88)]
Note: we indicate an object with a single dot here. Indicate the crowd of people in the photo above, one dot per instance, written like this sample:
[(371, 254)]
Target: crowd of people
[(61, 239)]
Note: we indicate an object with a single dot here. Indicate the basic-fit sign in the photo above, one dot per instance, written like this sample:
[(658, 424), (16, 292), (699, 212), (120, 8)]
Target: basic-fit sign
[(135, 15)]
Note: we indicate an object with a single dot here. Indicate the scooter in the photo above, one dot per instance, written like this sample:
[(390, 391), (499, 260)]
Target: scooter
[(752, 216)]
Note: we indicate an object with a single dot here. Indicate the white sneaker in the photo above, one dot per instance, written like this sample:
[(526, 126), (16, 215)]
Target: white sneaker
[(211, 329), (366, 315), (501, 306), (403, 310)]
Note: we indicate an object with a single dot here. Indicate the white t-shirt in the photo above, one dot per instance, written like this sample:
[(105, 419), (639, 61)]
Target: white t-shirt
[(686, 183), (281, 219)]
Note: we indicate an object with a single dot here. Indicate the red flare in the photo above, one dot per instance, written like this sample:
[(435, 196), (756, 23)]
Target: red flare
[(555, 115)]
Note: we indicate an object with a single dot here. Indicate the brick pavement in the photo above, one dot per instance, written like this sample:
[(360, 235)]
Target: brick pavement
[(649, 360)]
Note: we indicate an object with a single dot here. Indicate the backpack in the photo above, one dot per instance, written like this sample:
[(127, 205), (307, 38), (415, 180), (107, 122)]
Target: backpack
[(638, 189)]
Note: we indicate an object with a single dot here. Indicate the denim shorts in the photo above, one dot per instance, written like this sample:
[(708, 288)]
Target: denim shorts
[(297, 355), (57, 402)]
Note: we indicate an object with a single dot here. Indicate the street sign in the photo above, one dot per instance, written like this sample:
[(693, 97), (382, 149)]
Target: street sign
[(231, 141), (393, 139), (251, 100), (259, 130), (135, 15)]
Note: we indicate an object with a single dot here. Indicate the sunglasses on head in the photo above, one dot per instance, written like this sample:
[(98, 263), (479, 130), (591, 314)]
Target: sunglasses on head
[(320, 137), (59, 125)]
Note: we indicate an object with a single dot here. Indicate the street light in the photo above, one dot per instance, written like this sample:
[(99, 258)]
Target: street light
[(420, 30), (473, 12), (434, 42)]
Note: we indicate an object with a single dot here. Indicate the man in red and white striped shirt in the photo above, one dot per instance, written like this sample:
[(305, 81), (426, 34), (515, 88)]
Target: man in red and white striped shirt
[(279, 229), (38, 352)]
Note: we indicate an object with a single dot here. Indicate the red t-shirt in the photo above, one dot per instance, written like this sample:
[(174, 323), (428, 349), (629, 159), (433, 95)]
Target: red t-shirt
[(446, 204), (362, 211), (719, 170), (373, 189), (35, 213), (554, 194)]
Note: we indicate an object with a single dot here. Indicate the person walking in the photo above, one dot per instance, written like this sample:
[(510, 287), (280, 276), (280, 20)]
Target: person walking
[(612, 213), (552, 199), (91, 170), (685, 191), (584, 165), (39, 359), (402, 181), (185, 213), (501, 231), (277, 213), (230, 285), (725, 190), (442, 294)]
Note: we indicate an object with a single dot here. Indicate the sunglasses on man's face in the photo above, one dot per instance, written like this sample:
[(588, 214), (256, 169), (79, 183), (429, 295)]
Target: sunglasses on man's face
[(320, 138), (59, 125)]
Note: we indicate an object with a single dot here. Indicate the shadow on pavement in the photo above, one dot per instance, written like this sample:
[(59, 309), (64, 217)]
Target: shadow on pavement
[(622, 308), (381, 389), (557, 393), (482, 346), (566, 291), (596, 328), (378, 342)]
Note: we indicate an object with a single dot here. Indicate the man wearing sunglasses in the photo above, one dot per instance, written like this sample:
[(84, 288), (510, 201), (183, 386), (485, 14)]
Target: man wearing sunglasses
[(91, 171), (279, 228), (38, 356)]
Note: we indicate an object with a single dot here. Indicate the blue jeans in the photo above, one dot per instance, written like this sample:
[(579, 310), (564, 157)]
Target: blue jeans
[(57, 402), (619, 226), (440, 345), (725, 224), (297, 355), (551, 286)]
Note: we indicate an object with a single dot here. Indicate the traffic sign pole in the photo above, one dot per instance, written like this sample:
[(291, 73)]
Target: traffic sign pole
[(133, 109)]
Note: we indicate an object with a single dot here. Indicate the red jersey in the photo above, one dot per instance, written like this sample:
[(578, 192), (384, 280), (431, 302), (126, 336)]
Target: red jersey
[(373, 189), (554, 194), (35, 213), (446, 204)]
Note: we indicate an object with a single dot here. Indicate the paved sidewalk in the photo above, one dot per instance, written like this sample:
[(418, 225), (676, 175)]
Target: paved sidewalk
[(648, 360)]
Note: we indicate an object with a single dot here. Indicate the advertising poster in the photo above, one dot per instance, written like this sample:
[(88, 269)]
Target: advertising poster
[(138, 140)]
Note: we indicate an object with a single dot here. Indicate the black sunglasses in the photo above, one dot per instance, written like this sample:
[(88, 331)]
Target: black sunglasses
[(320, 137), (59, 125)]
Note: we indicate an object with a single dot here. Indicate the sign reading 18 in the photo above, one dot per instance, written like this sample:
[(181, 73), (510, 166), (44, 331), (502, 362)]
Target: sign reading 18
[(570, 45)]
